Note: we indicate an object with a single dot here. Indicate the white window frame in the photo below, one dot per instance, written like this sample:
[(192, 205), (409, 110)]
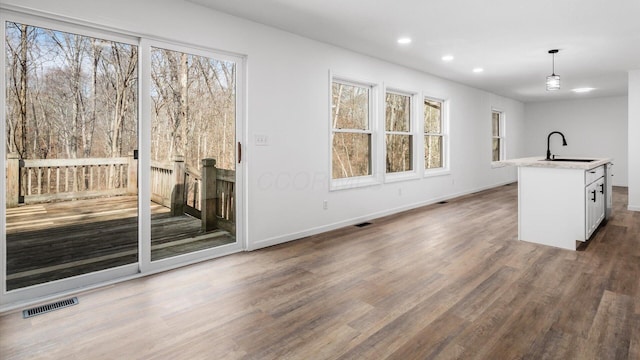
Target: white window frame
[(501, 135), (413, 132), (444, 118), (374, 177), (54, 289), (146, 265)]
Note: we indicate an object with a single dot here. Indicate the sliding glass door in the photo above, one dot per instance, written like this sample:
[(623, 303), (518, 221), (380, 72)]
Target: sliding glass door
[(71, 130), (193, 151), (121, 156)]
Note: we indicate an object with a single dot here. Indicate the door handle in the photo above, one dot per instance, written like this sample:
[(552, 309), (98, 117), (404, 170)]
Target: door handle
[(601, 188), (594, 196), (239, 152)]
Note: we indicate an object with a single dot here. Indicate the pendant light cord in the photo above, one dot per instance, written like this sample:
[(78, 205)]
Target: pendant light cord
[(553, 60)]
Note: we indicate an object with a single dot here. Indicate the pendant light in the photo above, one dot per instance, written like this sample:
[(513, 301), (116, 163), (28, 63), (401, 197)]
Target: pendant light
[(553, 80)]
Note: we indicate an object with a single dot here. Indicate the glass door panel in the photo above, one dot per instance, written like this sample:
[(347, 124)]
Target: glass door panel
[(193, 163), (71, 135)]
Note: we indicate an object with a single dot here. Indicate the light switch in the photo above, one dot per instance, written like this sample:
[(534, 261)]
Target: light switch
[(261, 139)]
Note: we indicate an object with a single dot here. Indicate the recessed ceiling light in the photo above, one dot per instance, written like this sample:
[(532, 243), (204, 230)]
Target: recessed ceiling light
[(404, 40), (478, 70), (582, 90), (447, 58)]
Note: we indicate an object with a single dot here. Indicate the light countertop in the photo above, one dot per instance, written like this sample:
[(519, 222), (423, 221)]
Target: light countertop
[(538, 161)]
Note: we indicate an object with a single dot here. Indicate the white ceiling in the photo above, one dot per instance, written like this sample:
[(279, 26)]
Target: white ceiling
[(599, 40)]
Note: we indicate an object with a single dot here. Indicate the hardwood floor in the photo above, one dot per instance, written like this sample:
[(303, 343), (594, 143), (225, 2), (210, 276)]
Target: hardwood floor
[(447, 281)]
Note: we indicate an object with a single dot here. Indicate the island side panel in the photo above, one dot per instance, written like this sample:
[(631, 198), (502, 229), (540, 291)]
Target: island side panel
[(551, 206)]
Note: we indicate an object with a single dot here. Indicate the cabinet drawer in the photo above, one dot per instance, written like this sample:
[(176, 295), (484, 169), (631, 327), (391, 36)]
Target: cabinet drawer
[(593, 175)]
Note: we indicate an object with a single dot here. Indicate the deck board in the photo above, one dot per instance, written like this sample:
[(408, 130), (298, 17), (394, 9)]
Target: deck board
[(51, 241)]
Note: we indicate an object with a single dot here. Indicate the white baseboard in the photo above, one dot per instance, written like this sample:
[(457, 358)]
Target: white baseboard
[(337, 225), (633, 208)]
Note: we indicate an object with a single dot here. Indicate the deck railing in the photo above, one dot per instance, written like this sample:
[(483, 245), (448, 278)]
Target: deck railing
[(207, 193), (42, 180), (173, 184)]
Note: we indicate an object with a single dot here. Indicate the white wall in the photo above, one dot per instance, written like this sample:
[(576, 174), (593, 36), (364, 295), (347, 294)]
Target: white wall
[(634, 140), (593, 128), (288, 100)]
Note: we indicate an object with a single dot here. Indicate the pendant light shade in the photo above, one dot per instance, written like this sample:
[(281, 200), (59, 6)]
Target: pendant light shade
[(553, 80)]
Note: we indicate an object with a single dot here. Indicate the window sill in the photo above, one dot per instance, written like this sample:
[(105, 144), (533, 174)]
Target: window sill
[(352, 183), (436, 172), (401, 176)]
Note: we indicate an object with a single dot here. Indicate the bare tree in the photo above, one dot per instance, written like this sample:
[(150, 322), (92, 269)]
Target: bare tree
[(121, 62), (193, 108), (18, 83)]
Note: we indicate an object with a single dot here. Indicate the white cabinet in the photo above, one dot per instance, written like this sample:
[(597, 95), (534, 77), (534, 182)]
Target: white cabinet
[(594, 206), (559, 206)]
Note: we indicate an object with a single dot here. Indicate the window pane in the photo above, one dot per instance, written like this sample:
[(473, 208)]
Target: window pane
[(432, 152), (496, 149), (351, 155), (495, 117), (432, 116), (193, 121), (350, 106), (398, 113), (399, 153), (71, 130)]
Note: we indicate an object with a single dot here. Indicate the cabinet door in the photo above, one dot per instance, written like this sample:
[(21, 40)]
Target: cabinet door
[(591, 199), (600, 201), (595, 206)]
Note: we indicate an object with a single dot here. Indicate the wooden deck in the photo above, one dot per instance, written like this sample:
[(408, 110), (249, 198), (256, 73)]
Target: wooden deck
[(52, 241)]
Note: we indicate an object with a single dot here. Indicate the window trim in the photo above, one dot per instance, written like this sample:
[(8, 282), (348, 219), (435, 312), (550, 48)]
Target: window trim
[(355, 181), (413, 132), (22, 296), (87, 280), (444, 118), (501, 135)]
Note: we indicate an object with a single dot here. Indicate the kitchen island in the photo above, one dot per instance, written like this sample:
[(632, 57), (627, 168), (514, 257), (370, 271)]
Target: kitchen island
[(561, 202)]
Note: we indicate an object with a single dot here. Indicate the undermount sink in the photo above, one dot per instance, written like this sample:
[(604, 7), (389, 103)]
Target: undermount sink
[(572, 160)]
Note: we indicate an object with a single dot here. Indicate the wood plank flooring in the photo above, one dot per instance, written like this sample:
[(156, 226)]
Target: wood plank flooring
[(446, 281)]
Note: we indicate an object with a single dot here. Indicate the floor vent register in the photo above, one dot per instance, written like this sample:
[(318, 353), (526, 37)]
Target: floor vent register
[(363, 224), (43, 309)]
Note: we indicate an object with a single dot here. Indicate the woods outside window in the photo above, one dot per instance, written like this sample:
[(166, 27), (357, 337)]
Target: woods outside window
[(497, 129), (74, 126), (351, 130), (398, 132), (434, 134)]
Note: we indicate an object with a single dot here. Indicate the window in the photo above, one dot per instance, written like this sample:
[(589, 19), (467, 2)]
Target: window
[(193, 121), (89, 115), (497, 126), (351, 133), (434, 134), (71, 121), (398, 131)]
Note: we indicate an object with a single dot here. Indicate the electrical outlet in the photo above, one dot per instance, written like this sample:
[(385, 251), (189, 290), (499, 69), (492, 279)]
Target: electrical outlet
[(261, 139), (325, 205), (400, 192)]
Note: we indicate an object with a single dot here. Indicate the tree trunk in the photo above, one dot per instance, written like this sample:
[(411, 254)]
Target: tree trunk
[(183, 111), (22, 96), (88, 139)]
